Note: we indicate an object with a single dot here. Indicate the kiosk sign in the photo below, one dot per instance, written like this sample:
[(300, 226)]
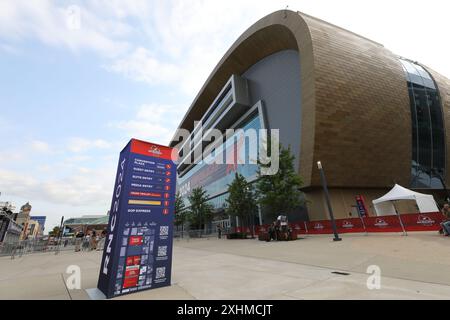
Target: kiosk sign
[(138, 246)]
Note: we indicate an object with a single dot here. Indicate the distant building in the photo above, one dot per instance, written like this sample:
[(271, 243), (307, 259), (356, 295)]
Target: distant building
[(23, 219), (33, 230), (41, 220), (371, 117), (7, 206), (85, 224), (10, 231)]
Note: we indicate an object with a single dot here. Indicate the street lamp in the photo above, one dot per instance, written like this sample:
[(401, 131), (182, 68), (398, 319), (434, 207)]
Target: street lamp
[(327, 196), (251, 218)]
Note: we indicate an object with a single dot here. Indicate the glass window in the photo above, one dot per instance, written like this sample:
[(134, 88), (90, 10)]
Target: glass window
[(215, 177), (428, 136), (417, 74)]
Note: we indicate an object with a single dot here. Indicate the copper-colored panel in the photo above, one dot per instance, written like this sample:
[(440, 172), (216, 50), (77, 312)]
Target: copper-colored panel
[(355, 105)]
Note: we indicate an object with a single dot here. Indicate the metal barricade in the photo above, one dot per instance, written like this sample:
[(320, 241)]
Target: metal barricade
[(20, 248), (191, 234)]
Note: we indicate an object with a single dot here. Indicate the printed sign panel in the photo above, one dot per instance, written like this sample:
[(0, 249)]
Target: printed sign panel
[(138, 247), (412, 222), (361, 205)]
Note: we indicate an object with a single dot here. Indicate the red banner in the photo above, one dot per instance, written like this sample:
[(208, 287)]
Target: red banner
[(412, 222), (152, 149)]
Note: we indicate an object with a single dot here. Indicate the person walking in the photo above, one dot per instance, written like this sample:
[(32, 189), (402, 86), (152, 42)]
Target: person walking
[(86, 242), (101, 240), (270, 232), (277, 230), (78, 239), (219, 231), (273, 231), (93, 242)]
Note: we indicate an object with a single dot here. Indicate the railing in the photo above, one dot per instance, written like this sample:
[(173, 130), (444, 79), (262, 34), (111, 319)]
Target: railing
[(199, 234), (18, 249)]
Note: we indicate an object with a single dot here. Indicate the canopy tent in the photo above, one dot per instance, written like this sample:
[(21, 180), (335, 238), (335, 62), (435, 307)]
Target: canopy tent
[(384, 206)]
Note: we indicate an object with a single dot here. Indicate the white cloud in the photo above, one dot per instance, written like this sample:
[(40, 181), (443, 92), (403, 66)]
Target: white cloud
[(40, 146), (78, 159), (79, 145), (43, 20), (152, 122), (21, 153), (84, 186), (81, 187), (15, 182), (68, 181), (9, 49), (120, 9), (142, 65), (188, 38), (178, 43), (7, 157)]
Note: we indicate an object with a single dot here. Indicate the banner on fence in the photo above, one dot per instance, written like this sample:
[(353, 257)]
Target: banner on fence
[(412, 222)]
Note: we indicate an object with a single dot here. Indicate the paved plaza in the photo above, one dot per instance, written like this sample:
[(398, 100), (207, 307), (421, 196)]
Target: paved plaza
[(413, 267)]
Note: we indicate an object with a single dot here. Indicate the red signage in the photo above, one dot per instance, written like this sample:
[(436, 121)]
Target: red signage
[(152, 150), (131, 277), (130, 261), (133, 260), (145, 194), (412, 222), (135, 240), (361, 206), (130, 282)]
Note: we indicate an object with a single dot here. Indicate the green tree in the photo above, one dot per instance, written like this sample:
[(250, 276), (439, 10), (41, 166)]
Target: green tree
[(200, 212), (241, 201), (180, 212), (54, 232), (280, 192)]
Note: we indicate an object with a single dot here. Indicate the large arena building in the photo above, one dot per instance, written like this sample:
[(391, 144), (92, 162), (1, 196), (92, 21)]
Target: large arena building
[(371, 117)]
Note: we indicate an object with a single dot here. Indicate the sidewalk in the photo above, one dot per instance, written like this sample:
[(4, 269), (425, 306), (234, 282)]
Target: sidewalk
[(413, 267)]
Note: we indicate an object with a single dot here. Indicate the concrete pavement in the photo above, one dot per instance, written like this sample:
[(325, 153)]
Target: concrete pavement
[(413, 267)]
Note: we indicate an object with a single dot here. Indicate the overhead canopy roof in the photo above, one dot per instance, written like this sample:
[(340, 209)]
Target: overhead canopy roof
[(102, 220), (87, 220), (425, 202), (400, 193)]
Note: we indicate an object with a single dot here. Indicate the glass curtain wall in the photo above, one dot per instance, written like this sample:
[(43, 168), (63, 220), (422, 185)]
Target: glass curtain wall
[(428, 135)]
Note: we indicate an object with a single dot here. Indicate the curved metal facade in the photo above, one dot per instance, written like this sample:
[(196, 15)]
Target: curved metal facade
[(355, 107)]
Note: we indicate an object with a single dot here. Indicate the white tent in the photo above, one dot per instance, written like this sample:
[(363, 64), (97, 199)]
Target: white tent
[(384, 206)]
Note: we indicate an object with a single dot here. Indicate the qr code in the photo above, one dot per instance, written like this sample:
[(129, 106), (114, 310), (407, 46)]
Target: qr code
[(162, 251), (164, 230), (160, 272)]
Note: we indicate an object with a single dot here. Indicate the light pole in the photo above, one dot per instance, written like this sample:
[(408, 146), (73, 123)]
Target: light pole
[(251, 217), (327, 196)]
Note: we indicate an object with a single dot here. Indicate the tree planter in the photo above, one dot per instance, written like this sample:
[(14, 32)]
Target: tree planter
[(265, 237), (237, 235)]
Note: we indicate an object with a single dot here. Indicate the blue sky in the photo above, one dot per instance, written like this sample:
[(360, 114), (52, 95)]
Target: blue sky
[(78, 79)]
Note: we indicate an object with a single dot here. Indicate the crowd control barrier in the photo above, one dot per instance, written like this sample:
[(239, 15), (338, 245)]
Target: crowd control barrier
[(411, 222)]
